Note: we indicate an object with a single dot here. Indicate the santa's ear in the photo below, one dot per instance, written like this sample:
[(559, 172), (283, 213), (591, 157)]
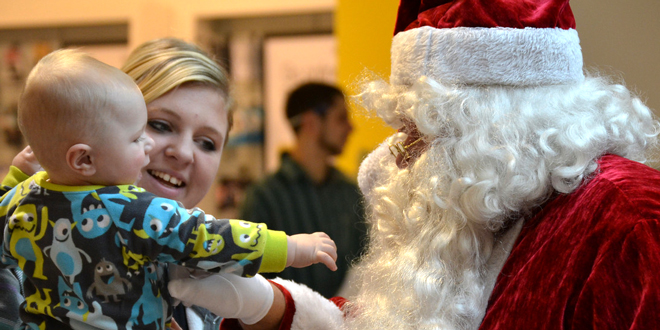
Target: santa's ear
[(80, 159)]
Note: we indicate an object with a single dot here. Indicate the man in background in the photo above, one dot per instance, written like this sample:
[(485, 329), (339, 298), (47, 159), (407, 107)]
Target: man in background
[(307, 193)]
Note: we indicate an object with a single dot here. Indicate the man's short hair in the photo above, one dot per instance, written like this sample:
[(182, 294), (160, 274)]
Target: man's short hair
[(314, 96)]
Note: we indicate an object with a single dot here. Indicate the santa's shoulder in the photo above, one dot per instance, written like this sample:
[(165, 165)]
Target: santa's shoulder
[(629, 182)]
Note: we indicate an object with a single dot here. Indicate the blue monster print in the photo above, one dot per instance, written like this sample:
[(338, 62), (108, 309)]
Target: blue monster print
[(149, 308), (90, 215), (8, 199), (97, 318), (71, 300), (65, 255), (161, 220), (93, 214)]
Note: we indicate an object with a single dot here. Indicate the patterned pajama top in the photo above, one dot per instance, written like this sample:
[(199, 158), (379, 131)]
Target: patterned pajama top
[(90, 253)]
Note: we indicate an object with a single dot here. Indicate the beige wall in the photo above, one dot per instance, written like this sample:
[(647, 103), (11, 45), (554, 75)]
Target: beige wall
[(623, 38), (620, 37), (147, 19)]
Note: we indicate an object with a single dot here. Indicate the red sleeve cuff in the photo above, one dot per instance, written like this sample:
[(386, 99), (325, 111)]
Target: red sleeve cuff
[(289, 311), (339, 301)]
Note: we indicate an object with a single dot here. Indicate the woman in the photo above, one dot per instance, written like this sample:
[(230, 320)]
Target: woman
[(187, 96)]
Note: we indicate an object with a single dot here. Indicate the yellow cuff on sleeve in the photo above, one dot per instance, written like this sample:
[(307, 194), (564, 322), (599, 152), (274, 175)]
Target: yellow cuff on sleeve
[(274, 258)]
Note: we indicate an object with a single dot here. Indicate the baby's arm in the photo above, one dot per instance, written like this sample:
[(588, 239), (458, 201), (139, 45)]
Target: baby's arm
[(248, 299), (200, 241)]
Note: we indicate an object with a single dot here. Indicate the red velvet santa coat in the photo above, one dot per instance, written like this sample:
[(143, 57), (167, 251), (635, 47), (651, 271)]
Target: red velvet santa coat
[(587, 260)]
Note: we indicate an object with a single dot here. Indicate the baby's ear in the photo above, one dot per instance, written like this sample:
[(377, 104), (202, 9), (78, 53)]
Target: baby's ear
[(80, 160)]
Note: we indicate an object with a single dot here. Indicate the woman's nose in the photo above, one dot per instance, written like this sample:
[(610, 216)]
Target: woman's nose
[(181, 151)]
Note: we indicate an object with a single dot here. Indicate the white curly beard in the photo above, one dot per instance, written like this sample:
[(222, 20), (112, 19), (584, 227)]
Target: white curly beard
[(419, 273), (493, 154)]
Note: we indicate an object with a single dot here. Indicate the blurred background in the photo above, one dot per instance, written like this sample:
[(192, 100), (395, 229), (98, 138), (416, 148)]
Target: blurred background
[(271, 46)]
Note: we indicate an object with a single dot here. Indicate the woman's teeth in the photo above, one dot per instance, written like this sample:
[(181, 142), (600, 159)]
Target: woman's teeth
[(166, 177)]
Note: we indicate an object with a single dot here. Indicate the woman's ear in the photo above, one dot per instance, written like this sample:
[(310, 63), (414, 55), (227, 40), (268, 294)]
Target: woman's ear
[(80, 160)]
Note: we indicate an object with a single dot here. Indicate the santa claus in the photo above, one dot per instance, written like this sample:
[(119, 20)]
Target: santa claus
[(513, 195)]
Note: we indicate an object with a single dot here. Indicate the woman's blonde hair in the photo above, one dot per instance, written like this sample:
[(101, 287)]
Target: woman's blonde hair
[(161, 65)]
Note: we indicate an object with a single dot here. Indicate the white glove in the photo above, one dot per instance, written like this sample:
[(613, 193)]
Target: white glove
[(226, 295)]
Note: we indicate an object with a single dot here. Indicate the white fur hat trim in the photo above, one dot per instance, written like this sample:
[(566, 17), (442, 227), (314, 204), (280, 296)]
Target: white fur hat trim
[(487, 56)]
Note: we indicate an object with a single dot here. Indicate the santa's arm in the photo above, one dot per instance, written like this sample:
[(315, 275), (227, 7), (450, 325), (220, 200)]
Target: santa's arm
[(296, 307), (631, 267)]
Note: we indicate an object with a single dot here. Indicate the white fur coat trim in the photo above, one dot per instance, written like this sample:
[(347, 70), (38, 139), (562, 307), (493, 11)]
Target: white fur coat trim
[(312, 310), (487, 56)]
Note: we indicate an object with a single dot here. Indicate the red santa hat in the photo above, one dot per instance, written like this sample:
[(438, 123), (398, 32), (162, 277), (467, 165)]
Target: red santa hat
[(486, 42)]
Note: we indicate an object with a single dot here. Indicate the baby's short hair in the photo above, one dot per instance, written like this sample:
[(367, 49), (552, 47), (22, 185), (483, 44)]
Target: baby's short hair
[(65, 101)]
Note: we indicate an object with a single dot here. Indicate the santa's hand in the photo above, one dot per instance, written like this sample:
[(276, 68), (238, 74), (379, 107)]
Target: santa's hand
[(308, 249), (27, 162), (226, 295)]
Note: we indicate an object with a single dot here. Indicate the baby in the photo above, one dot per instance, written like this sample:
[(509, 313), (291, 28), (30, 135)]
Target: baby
[(87, 239)]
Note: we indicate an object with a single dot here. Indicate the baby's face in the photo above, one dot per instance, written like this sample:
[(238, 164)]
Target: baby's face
[(124, 151)]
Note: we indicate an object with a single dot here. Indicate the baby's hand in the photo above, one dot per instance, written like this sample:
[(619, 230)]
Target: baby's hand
[(27, 162), (309, 249)]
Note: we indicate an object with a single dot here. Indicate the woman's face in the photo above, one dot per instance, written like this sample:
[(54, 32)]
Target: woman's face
[(189, 126)]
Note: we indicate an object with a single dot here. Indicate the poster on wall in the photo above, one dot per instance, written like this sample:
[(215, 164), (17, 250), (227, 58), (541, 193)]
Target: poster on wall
[(242, 157), (289, 62), (16, 61)]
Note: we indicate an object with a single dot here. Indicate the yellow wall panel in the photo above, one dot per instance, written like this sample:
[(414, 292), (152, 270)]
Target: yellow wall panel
[(364, 33)]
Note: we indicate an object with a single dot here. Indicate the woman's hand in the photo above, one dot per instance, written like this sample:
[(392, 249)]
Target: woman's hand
[(226, 295), (27, 162)]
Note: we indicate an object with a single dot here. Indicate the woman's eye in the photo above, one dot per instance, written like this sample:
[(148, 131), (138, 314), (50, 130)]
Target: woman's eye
[(206, 145), (159, 126)]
